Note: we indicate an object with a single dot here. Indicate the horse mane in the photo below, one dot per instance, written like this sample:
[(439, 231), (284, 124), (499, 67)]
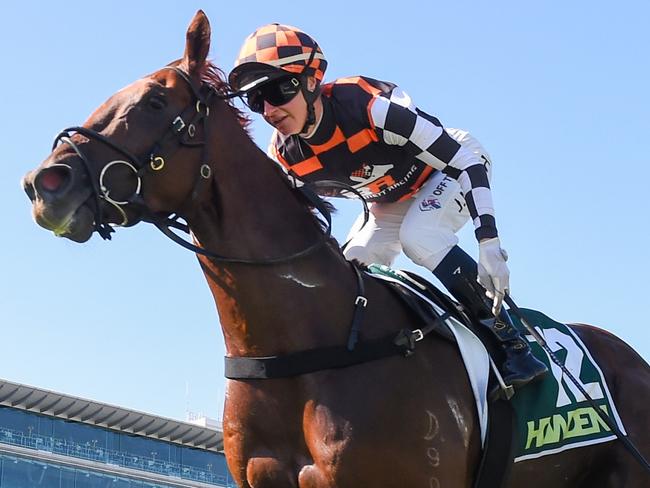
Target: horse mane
[(320, 222), (300, 196), (215, 77)]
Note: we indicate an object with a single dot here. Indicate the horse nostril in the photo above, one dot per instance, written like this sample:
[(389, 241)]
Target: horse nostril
[(52, 179)]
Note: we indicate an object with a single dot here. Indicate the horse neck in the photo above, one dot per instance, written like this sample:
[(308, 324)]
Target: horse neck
[(254, 214)]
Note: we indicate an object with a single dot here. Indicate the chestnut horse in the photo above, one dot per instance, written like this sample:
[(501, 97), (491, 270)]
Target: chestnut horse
[(395, 422)]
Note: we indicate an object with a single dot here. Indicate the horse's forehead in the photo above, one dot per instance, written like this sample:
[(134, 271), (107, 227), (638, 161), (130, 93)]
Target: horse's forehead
[(137, 88), (131, 93), (134, 92), (121, 100)]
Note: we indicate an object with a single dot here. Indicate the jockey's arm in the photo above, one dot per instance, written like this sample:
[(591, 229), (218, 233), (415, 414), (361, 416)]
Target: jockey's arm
[(399, 122)]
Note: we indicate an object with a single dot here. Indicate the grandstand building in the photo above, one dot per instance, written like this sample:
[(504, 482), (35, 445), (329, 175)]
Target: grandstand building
[(52, 440)]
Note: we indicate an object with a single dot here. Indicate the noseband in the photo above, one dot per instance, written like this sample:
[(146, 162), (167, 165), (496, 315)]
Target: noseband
[(181, 133)]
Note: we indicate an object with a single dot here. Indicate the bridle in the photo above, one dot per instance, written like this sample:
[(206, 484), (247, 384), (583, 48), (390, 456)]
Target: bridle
[(182, 132)]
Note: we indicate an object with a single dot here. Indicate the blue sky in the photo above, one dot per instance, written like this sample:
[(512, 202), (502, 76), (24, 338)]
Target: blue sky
[(556, 91)]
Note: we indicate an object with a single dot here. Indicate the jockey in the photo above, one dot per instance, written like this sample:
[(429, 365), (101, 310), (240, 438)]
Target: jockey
[(423, 181)]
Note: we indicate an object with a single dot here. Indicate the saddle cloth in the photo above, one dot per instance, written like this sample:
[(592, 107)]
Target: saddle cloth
[(553, 415)]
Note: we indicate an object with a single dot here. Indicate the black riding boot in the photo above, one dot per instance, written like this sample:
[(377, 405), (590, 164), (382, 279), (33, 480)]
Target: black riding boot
[(458, 272)]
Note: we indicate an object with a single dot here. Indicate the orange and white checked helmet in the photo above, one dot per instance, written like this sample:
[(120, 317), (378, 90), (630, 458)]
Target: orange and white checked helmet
[(273, 51)]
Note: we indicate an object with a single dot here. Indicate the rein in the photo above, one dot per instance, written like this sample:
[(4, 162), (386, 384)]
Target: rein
[(163, 223)]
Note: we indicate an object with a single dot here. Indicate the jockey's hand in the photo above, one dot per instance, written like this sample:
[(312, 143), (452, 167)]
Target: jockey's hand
[(493, 272)]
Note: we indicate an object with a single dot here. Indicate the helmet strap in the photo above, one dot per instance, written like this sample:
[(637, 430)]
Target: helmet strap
[(310, 98)]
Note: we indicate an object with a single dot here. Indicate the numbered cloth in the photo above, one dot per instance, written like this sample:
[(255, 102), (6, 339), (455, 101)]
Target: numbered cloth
[(553, 415)]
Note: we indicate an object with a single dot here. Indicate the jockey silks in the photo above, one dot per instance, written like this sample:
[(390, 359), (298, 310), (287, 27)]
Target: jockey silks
[(372, 137)]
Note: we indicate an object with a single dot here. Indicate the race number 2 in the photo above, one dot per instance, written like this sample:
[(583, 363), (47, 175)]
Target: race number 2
[(557, 341)]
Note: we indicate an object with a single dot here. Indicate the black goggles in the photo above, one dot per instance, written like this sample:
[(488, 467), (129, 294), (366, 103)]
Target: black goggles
[(276, 93)]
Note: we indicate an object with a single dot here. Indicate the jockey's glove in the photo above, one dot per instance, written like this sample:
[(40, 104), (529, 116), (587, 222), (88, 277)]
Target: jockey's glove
[(493, 272)]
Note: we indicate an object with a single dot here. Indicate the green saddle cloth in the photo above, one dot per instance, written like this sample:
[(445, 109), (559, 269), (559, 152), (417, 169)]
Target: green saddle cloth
[(553, 415)]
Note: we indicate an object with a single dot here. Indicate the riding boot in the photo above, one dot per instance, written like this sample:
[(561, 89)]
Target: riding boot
[(458, 272)]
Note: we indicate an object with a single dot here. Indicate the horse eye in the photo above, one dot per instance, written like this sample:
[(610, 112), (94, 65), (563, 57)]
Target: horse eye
[(157, 103)]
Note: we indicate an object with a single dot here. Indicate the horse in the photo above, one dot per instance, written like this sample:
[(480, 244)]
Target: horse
[(173, 144)]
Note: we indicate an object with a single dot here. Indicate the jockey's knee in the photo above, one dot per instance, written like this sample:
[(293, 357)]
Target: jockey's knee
[(428, 247)]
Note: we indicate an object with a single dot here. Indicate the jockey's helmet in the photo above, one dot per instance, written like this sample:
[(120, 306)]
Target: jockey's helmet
[(272, 52)]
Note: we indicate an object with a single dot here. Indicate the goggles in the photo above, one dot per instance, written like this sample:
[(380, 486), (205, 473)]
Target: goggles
[(276, 93)]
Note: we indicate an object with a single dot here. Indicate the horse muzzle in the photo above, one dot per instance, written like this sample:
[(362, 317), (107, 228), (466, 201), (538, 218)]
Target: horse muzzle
[(58, 201)]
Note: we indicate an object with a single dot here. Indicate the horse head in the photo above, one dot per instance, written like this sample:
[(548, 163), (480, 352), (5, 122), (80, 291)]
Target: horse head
[(141, 153)]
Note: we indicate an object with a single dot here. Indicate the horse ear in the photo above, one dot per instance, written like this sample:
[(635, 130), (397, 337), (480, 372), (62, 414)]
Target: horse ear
[(197, 44)]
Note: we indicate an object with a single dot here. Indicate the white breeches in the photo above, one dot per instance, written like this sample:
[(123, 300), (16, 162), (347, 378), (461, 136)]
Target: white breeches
[(424, 226)]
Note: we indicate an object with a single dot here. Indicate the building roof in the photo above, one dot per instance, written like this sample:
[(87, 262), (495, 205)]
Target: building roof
[(119, 419)]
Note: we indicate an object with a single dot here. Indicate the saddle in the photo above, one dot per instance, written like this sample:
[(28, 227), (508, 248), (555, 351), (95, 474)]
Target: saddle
[(418, 294)]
